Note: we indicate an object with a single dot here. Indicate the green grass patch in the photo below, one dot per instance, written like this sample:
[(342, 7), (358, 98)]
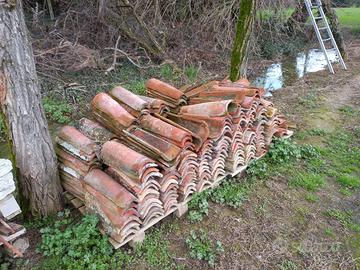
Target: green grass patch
[(348, 110), (310, 197), (137, 87), (345, 192), (309, 181), (329, 232), (231, 193), (345, 218), (348, 181), (349, 17), (191, 73)]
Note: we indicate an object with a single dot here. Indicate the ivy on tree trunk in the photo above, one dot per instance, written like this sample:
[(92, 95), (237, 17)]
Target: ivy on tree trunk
[(32, 149), (241, 43)]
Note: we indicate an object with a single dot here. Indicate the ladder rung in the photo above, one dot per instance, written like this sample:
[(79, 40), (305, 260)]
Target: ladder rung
[(322, 28), (326, 39), (318, 18), (331, 50), (315, 7)]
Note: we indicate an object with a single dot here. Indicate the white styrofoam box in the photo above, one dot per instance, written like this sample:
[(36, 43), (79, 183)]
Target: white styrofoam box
[(7, 185), (9, 208), (5, 167)]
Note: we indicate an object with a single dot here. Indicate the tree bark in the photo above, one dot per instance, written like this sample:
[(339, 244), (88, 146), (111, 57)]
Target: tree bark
[(26, 126), (241, 43)]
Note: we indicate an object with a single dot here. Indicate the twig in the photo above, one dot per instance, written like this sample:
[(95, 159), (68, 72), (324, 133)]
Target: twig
[(113, 65)]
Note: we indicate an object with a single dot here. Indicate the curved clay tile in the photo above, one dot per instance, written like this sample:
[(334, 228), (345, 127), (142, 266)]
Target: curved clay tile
[(132, 103), (211, 109), (94, 130), (155, 85), (161, 148), (121, 157), (171, 133), (195, 91), (108, 187), (75, 142), (110, 113)]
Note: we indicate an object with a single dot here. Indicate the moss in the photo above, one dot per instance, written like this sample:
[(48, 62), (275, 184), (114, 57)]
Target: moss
[(243, 31)]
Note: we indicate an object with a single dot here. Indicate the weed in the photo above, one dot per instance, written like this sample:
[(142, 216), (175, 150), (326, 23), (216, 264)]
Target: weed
[(137, 87), (317, 132), (309, 181), (76, 246), (288, 265), (345, 192), (258, 169), (40, 222), (231, 193), (202, 248), (199, 206), (261, 208), (191, 73), (285, 150), (348, 181), (345, 218), (329, 232), (310, 197), (309, 101), (155, 251), (348, 110), (57, 111), (167, 72)]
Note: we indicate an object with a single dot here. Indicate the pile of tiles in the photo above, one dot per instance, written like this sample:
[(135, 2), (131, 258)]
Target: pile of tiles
[(143, 155)]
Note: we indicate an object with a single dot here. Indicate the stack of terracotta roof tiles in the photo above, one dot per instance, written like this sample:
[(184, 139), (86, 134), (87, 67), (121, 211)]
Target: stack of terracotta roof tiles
[(142, 156)]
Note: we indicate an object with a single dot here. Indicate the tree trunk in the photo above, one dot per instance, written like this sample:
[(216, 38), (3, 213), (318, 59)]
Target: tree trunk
[(241, 44), (26, 125), (334, 25)]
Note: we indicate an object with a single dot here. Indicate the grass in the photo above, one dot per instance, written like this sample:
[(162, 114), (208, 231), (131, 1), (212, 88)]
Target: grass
[(349, 181), (349, 17), (288, 265), (309, 181), (345, 218), (310, 197)]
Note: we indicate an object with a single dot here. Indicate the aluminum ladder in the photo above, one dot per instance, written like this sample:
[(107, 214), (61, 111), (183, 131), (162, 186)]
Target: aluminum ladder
[(316, 5)]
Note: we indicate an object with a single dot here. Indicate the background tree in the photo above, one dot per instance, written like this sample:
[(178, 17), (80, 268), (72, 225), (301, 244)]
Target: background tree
[(26, 125), (244, 29), (299, 17)]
